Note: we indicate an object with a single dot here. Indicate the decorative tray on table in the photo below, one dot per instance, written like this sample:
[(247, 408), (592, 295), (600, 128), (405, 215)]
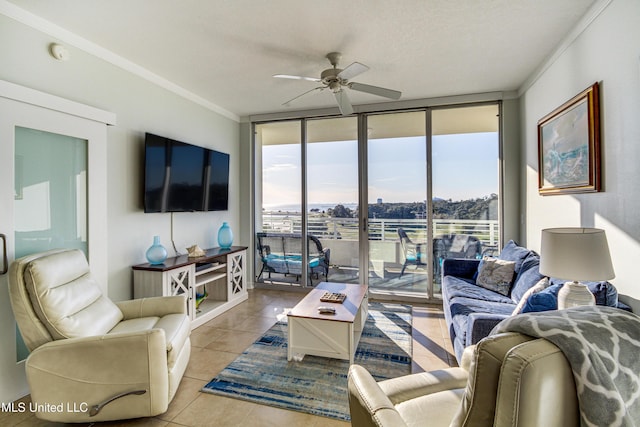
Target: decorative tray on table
[(333, 297)]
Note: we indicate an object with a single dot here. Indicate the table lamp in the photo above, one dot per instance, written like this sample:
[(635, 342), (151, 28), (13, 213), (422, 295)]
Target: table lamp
[(575, 254)]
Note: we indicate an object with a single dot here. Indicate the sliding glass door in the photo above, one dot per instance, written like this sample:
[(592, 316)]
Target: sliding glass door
[(332, 199), (381, 199), (466, 171), (279, 194), (397, 203)]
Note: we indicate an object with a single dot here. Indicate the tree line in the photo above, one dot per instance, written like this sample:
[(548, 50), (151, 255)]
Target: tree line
[(478, 209)]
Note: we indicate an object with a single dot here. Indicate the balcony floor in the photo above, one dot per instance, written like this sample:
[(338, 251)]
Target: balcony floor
[(412, 283)]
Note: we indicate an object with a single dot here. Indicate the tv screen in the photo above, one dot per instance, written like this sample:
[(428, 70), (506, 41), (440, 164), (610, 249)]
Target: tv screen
[(181, 177), (217, 181)]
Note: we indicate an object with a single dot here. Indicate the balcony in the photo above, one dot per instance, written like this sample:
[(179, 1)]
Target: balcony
[(386, 256)]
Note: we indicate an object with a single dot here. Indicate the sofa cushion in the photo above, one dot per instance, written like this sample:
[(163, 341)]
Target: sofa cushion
[(496, 275), (515, 253), (453, 287), (528, 276), (462, 307)]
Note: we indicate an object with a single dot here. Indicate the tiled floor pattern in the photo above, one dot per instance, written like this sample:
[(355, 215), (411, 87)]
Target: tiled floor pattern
[(218, 342)]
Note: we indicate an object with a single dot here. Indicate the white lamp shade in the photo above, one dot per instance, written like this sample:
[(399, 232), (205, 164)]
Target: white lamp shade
[(575, 254)]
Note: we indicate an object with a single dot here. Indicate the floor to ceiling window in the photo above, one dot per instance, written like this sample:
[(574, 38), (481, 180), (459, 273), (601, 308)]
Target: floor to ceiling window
[(279, 194), (332, 201), (429, 178), (465, 177), (397, 196)]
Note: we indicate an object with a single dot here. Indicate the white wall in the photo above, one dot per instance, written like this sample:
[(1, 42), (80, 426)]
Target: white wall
[(608, 52), (140, 107)]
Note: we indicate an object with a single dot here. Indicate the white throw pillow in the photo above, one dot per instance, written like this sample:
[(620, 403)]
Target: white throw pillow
[(496, 275), (540, 286)]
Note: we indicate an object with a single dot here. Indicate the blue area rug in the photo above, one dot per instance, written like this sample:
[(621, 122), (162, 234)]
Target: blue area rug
[(317, 385)]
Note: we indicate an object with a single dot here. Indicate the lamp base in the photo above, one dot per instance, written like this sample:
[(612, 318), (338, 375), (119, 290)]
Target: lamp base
[(574, 294)]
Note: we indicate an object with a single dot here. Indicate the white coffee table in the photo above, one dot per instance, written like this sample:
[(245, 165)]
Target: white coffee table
[(328, 335)]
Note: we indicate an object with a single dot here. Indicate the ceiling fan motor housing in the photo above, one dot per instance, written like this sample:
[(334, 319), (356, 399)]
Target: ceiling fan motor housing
[(330, 78)]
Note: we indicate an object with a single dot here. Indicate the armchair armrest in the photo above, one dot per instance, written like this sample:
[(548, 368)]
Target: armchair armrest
[(90, 371), (411, 386), (467, 357), (479, 325), (153, 306), (460, 267), (368, 404)]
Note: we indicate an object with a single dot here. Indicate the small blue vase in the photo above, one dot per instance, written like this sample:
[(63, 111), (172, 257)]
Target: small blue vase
[(157, 253), (225, 236)]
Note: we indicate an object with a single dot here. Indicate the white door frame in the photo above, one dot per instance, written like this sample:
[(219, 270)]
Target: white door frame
[(25, 107)]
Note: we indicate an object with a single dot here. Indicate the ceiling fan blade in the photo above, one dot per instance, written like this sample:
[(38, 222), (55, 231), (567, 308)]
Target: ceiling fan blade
[(287, 76), (352, 70), (319, 88), (375, 90), (343, 103)]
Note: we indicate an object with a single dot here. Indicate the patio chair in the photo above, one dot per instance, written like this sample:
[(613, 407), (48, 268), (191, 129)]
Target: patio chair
[(282, 253), (412, 251), (454, 246)]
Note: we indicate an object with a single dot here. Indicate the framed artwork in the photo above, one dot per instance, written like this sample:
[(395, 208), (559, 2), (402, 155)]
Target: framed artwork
[(569, 146)]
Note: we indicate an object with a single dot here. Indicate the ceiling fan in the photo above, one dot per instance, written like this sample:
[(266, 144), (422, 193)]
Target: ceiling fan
[(337, 79)]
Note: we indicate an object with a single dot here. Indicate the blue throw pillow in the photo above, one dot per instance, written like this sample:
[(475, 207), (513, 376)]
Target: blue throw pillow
[(544, 300), (528, 276), (623, 306), (604, 292), (513, 252)]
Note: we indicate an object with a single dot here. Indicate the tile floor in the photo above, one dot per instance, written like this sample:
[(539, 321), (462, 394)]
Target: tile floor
[(218, 342)]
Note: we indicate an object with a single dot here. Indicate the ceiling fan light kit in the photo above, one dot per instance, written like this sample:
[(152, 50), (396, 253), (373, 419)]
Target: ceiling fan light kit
[(337, 79)]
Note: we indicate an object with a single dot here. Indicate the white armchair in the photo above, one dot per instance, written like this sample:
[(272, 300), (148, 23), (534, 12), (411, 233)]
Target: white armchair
[(506, 380), (99, 360)]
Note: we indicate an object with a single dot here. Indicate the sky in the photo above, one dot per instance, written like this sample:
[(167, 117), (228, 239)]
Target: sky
[(464, 166)]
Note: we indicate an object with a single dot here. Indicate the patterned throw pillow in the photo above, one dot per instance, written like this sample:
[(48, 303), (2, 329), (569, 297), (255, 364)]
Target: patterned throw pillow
[(540, 286), (496, 275)]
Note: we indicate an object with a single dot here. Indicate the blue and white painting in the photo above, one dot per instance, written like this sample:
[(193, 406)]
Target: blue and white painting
[(565, 148)]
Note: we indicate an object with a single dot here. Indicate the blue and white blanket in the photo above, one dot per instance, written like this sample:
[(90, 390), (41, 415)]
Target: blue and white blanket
[(602, 345)]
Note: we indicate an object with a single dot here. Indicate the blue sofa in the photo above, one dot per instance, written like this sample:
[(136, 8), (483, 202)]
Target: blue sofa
[(472, 311)]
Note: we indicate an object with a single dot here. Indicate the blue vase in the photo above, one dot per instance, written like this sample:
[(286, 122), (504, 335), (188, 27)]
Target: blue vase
[(157, 253), (225, 236)]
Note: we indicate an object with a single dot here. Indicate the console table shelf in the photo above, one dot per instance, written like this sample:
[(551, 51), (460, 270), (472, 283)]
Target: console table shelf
[(220, 273)]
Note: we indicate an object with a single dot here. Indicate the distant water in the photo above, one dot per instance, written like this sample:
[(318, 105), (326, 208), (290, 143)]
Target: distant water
[(320, 206)]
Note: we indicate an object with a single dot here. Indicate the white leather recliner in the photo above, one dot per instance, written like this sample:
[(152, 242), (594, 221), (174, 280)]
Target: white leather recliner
[(506, 380), (92, 358)]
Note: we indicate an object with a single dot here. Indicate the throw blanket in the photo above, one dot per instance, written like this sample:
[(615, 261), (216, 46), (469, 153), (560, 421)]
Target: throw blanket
[(602, 345)]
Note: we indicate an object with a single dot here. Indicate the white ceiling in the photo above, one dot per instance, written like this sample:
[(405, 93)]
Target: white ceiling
[(226, 51)]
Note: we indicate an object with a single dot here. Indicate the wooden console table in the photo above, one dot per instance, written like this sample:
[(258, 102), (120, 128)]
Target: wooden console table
[(221, 273)]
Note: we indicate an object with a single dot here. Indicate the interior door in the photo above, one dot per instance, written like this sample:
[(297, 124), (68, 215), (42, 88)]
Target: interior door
[(52, 195)]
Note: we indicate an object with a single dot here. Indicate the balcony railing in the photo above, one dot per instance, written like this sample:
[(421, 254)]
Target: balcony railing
[(381, 229)]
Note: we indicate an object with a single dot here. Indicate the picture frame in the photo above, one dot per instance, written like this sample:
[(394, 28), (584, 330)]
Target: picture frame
[(569, 146)]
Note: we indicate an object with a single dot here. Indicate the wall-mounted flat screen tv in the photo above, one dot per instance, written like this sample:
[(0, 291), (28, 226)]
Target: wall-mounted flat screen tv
[(180, 177)]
